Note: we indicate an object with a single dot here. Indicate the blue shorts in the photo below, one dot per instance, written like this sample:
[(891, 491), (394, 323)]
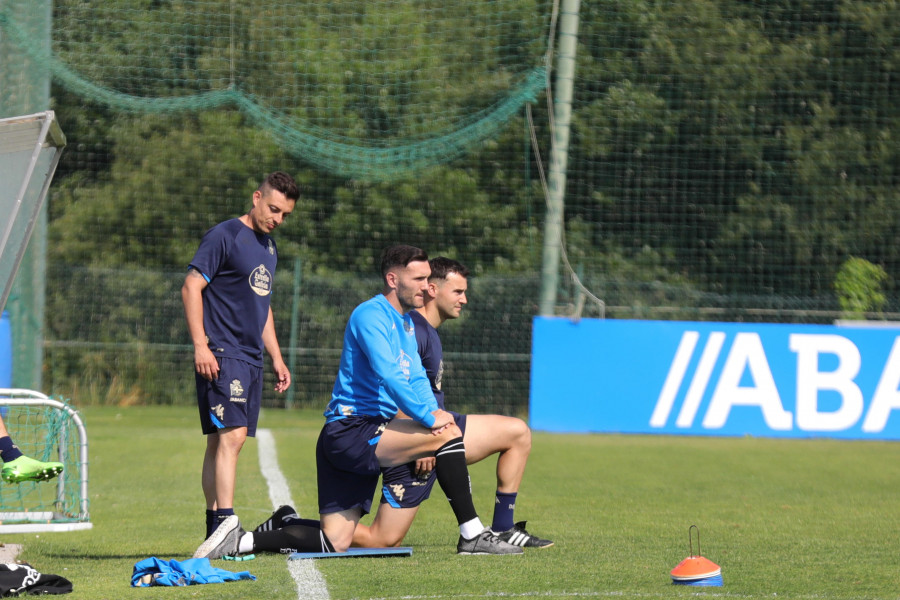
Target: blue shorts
[(402, 488), (346, 466), (233, 399)]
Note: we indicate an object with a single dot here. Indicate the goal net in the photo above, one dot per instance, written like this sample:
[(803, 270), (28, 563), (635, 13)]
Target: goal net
[(46, 429)]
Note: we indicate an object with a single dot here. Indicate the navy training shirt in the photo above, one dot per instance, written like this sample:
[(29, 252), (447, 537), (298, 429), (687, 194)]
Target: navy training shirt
[(431, 352), (239, 266)]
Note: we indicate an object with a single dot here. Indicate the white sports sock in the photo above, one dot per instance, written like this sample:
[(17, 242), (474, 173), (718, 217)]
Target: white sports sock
[(470, 529), (245, 544)]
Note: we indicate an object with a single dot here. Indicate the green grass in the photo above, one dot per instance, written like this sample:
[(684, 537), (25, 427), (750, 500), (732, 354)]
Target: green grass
[(809, 519)]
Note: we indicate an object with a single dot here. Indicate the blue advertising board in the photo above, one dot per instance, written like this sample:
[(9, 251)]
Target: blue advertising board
[(6, 365), (727, 379)]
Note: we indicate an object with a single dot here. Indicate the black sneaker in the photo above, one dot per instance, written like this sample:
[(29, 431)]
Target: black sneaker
[(223, 541), (281, 517), (485, 542), (517, 536)]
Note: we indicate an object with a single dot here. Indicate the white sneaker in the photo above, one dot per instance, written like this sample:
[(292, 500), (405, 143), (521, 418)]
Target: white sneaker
[(223, 541), (486, 542)]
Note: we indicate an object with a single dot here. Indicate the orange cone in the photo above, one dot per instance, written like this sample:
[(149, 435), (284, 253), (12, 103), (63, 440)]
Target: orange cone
[(695, 569)]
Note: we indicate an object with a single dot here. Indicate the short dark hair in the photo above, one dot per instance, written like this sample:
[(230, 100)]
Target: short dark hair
[(400, 256), (442, 266), (281, 182)]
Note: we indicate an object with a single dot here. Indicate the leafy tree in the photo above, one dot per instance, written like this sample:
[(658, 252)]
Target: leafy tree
[(858, 285)]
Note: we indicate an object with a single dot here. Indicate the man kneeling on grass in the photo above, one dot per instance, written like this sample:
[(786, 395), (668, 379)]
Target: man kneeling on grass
[(405, 487)]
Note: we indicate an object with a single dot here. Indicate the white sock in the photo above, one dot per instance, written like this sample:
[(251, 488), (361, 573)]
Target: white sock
[(245, 544), (470, 529)]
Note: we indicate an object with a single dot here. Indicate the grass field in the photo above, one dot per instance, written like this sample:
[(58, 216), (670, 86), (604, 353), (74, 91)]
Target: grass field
[(811, 519)]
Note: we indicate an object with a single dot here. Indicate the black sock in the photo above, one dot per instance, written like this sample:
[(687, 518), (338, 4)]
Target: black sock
[(210, 521), (453, 477), (307, 537)]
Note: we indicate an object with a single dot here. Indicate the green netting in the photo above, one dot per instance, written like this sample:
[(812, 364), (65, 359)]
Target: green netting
[(46, 433), (25, 90), (727, 160), (344, 116)]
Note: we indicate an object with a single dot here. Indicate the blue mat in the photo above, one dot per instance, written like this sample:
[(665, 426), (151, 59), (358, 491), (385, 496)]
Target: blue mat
[(354, 553)]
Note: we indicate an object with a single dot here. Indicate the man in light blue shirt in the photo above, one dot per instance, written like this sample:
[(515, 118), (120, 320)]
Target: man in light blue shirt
[(380, 377)]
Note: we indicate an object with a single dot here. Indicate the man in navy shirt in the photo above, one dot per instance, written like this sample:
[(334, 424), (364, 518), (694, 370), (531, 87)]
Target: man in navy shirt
[(405, 487), (226, 296)]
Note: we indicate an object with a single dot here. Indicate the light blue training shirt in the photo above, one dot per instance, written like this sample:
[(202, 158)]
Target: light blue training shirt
[(380, 371)]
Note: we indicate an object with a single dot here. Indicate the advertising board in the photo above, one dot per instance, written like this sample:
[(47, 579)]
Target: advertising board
[(701, 378)]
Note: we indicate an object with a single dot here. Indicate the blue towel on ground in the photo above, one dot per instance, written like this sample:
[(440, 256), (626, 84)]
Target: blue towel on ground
[(153, 571)]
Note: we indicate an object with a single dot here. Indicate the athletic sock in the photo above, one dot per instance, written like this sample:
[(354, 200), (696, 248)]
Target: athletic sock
[(8, 450), (210, 521), (246, 543), (453, 477), (471, 529), (504, 506), (307, 537)]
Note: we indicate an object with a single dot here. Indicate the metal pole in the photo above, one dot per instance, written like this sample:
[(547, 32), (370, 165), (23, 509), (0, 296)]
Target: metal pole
[(559, 154), (295, 325)]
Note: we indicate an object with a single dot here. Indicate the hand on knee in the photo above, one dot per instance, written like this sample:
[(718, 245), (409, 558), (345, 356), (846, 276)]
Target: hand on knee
[(452, 431)]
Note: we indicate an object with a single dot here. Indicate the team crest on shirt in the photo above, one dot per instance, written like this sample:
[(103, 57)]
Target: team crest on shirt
[(237, 391), (398, 490), (404, 361), (261, 281)]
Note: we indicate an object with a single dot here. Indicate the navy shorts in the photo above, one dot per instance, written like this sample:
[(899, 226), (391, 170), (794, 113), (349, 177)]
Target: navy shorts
[(402, 488), (233, 399), (346, 466)]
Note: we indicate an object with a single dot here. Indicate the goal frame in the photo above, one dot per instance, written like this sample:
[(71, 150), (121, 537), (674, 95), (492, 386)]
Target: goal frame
[(40, 521), (39, 137)]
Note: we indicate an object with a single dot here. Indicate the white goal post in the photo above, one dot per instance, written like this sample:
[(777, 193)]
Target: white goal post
[(46, 429), (30, 147)]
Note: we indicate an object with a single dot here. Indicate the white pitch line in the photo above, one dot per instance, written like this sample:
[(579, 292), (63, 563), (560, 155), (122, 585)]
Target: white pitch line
[(310, 583)]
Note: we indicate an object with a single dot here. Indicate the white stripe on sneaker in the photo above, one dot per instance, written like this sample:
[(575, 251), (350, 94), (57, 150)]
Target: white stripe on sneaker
[(518, 539)]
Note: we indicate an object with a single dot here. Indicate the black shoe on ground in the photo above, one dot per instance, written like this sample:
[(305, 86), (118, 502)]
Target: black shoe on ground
[(517, 536), (281, 517)]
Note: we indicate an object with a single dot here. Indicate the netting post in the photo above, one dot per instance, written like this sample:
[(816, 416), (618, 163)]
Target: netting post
[(559, 154), (25, 90), (294, 339)]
